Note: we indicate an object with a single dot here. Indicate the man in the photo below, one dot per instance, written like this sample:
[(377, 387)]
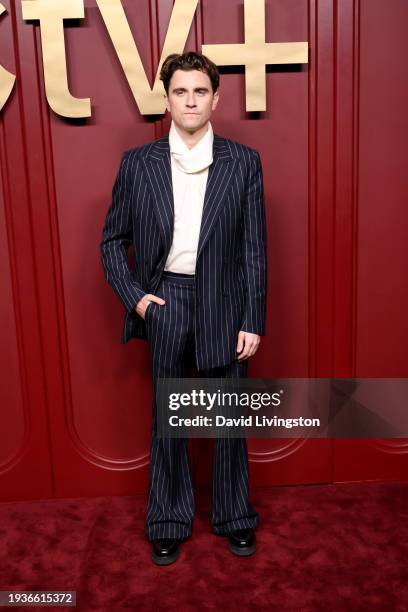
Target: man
[(192, 205)]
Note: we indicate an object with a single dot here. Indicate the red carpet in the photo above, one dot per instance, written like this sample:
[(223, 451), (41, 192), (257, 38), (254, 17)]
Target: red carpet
[(325, 547)]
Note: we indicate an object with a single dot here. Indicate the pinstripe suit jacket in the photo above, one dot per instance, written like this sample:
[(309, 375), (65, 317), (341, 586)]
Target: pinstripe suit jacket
[(231, 268)]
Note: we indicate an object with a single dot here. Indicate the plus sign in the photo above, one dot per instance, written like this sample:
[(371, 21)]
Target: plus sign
[(7, 79), (255, 54)]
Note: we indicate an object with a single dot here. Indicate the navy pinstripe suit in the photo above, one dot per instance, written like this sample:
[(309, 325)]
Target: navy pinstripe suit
[(203, 313)]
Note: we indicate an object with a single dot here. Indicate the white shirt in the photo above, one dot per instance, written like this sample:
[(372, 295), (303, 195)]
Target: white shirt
[(189, 169)]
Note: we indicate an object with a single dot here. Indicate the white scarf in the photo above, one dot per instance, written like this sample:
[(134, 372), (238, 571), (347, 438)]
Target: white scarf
[(191, 160)]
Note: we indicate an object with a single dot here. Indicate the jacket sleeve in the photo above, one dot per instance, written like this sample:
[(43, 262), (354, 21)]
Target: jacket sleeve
[(254, 250), (117, 237)]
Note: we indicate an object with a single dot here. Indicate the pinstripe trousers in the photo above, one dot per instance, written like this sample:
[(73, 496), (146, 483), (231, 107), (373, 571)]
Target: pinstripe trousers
[(170, 507)]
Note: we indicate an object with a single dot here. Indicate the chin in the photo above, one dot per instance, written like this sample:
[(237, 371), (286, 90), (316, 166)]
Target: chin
[(191, 126)]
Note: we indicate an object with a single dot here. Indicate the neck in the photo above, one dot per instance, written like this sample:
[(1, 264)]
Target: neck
[(189, 137)]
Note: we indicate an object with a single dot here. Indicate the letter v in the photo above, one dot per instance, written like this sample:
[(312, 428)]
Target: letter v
[(149, 101)]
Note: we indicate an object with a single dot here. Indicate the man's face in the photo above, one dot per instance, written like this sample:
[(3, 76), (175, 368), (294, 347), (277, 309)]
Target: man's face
[(190, 99)]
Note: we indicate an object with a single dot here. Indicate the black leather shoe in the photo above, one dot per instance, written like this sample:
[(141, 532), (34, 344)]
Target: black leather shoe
[(242, 542), (165, 551)]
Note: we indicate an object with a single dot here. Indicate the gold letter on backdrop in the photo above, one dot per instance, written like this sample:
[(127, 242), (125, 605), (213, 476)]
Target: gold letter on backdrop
[(255, 54), (7, 79), (51, 14), (149, 101)]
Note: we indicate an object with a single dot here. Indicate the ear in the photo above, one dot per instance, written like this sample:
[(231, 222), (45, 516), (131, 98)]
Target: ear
[(215, 100), (166, 100)]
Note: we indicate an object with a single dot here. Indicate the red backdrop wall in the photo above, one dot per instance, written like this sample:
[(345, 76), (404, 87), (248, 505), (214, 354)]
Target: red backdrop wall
[(75, 403)]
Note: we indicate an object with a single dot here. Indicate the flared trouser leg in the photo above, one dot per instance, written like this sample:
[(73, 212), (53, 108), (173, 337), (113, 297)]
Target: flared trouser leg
[(231, 508)]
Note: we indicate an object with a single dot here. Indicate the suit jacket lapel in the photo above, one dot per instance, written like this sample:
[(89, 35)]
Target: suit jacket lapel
[(157, 164), (220, 174), (158, 171)]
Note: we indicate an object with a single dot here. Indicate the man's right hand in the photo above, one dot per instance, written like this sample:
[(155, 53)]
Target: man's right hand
[(143, 304)]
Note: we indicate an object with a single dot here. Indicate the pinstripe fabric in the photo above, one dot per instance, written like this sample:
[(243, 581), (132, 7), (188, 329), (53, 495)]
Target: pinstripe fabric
[(170, 509), (231, 270)]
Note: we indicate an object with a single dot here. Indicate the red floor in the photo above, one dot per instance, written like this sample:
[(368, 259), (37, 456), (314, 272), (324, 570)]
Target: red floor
[(325, 547)]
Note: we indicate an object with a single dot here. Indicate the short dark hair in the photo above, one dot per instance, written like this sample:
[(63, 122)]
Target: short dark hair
[(189, 61)]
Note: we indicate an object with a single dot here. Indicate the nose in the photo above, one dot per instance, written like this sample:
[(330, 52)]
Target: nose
[(190, 102)]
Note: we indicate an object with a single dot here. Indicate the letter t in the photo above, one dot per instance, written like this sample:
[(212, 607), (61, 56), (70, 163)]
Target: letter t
[(51, 14)]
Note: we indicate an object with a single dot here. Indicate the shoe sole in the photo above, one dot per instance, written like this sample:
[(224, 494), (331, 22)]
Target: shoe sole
[(242, 552), (165, 560)]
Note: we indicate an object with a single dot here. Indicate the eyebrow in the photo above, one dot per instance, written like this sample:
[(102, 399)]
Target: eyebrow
[(195, 89)]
